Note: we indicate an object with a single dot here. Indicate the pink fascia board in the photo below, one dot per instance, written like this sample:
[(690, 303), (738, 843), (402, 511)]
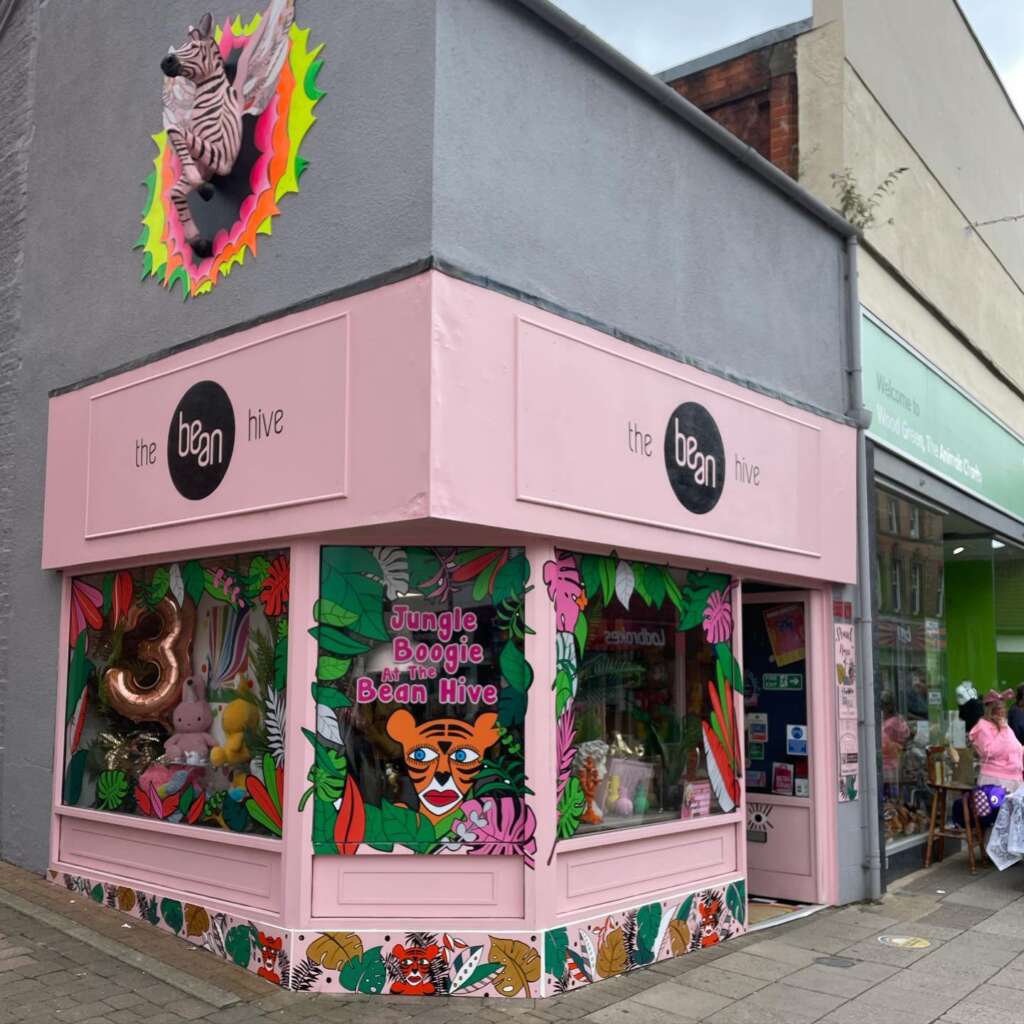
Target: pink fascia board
[(558, 430)]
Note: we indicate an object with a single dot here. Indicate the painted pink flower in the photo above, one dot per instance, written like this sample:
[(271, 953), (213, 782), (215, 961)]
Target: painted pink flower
[(86, 608), (718, 617), (566, 592)]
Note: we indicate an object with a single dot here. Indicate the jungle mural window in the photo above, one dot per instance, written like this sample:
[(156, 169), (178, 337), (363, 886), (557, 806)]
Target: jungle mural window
[(421, 694), (646, 725), (176, 692)]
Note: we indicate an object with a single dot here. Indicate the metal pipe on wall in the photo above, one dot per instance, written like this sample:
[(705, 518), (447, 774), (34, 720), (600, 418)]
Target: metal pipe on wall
[(865, 616)]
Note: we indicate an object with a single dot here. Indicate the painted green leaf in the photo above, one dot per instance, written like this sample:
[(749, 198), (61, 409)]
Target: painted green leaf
[(672, 590), (336, 642), (640, 582), (606, 573), (238, 943), (648, 921), (374, 835), (329, 668), (158, 587), (590, 576), (654, 580), (563, 692), (424, 565), (79, 671), (331, 696), (111, 789), (406, 827), (330, 614), (108, 593), (350, 578), (194, 579), (730, 667), (511, 707), (365, 973), (325, 815), (236, 817), (510, 580), (281, 657), (347, 561), (570, 808), (96, 893), (73, 777), (259, 569), (515, 669), (173, 914), (736, 900), (683, 913), (556, 945), (581, 632)]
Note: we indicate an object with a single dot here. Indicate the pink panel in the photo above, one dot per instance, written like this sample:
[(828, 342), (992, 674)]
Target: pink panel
[(783, 866), (301, 475), (637, 868), (558, 457), (219, 871), (463, 887), (272, 383)]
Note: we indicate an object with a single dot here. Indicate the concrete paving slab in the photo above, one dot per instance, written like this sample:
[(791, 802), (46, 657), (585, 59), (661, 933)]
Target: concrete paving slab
[(778, 1004), (847, 982), (686, 1002), (710, 978), (755, 966), (990, 1004)]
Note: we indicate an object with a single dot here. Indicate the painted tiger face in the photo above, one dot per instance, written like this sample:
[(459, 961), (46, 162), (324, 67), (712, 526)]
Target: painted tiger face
[(413, 963), (442, 756)]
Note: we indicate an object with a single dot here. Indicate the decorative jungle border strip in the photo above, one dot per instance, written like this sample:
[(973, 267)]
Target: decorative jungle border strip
[(424, 963), (604, 947)]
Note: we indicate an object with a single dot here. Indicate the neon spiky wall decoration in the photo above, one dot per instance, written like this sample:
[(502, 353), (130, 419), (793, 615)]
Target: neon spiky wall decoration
[(217, 181)]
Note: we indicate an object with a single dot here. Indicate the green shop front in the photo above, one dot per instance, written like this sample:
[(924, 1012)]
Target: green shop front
[(947, 532)]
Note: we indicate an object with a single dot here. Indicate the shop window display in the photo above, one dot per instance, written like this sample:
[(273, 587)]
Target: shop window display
[(646, 727), (422, 685), (176, 692)]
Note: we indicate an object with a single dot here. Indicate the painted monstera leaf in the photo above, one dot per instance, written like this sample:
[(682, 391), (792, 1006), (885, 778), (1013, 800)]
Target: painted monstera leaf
[(612, 956), (335, 949), (520, 966)]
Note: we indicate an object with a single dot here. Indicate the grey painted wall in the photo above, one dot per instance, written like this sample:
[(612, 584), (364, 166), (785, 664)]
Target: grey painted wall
[(364, 208), (464, 130), (554, 175)]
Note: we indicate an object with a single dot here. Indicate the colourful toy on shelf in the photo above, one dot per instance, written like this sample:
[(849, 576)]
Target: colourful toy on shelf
[(590, 778), (237, 716), (192, 718), (640, 800)]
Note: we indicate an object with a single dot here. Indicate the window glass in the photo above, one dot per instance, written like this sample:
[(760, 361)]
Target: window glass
[(646, 726), (422, 685), (176, 692)]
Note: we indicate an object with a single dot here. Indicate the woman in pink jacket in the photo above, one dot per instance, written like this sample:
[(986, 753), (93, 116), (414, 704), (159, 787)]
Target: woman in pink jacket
[(1000, 754)]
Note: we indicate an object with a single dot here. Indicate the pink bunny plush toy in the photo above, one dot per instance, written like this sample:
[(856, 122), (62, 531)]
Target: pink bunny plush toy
[(192, 719)]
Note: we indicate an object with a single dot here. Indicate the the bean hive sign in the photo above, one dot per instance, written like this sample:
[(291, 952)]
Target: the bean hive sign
[(695, 458), (421, 692), (201, 440)]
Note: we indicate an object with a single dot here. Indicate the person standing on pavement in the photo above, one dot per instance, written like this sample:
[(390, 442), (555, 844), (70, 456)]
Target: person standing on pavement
[(1016, 715), (1000, 753)]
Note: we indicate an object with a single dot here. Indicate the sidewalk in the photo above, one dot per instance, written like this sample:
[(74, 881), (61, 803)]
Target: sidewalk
[(64, 959)]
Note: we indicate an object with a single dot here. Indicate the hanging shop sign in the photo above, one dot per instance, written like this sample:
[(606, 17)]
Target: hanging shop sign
[(921, 414), (220, 435), (238, 100)]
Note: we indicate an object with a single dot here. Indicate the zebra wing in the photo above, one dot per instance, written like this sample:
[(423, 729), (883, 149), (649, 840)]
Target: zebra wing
[(260, 63), (179, 95)]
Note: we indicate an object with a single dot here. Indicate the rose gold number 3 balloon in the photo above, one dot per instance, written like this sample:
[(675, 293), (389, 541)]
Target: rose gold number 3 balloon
[(162, 638)]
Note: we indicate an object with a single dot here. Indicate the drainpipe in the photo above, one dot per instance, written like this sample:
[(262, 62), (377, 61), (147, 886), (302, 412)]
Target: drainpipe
[(864, 618)]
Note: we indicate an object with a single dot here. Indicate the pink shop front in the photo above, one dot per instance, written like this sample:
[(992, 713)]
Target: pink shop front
[(428, 643)]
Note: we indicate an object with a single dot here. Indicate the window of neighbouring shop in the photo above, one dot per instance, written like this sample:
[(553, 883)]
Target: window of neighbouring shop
[(176, 692), (645, 676), (950, 609)]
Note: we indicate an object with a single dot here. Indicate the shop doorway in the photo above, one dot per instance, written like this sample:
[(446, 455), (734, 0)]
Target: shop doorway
[(781, 859)]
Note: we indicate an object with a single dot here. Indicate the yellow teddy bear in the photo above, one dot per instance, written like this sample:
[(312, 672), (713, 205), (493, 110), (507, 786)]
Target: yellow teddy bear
[(238, 716)]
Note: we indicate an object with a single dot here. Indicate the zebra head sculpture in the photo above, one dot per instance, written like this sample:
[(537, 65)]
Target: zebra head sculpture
[(199, 59), (203, 110)]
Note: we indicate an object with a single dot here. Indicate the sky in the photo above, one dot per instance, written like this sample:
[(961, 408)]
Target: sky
[(658, 34)]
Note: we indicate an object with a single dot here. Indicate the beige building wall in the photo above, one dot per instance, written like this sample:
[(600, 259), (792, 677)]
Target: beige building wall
[(886, 85)]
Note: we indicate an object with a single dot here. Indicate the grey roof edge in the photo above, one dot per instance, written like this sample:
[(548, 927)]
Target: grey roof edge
[(731, 52), (686, 111), (460, 272)]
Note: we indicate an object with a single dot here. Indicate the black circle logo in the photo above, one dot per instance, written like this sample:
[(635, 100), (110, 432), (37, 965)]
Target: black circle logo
[(200, 440), (695, 458)]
